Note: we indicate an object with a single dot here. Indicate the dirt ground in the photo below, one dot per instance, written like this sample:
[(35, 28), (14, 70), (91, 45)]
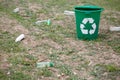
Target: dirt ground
[(86, 53)]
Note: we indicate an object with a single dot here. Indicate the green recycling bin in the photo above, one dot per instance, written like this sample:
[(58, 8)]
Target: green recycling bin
[(87, 21)]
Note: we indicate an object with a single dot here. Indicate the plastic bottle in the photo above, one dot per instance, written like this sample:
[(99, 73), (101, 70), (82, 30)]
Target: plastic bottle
[(45, 64), (43, 21)]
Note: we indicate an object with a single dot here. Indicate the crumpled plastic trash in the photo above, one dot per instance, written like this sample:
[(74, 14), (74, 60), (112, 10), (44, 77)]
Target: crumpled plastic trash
[(16, 10)]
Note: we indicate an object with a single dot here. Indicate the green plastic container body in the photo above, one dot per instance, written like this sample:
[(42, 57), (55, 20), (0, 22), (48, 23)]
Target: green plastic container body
[(87, 21)]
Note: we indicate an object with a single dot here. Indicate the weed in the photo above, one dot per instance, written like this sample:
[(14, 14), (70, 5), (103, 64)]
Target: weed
[(44, 72), (54, 56), (110, 69), (3, 75), (97, 71), (63, 27), (66, 70), (26, 60), (19, 76), (73, 77), (115, 44), (8, 44)]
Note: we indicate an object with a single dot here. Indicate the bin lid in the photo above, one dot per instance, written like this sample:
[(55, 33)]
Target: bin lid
[(88, 8)]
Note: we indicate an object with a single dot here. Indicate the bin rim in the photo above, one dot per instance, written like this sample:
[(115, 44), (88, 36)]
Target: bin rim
[(90, 8)]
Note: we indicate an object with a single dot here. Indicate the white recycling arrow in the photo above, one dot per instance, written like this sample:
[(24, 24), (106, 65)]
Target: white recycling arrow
[(84, 31), (90, 20), (85, 20), (94, 28), (82, 26)]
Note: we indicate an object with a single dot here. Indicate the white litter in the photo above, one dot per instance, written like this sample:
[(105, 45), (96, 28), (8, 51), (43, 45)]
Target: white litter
[(20, 37), (16, 10), (66, 12), (114, 28)]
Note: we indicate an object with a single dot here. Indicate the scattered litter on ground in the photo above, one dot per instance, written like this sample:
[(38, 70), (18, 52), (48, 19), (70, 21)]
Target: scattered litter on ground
[(59, 75), (114, 28), (74, 73), (16, 10), (45, 64), (8, 73), (66, 12), (90, 63), (20, 37), (43, 21)]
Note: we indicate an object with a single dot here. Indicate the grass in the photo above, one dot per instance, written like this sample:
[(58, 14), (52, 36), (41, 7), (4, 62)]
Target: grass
[(100, 69), (72, 55), (115, 44), (104, 4), (7, 43), (44, 72)]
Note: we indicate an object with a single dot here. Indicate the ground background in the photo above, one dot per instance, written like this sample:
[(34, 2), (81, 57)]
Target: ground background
[(74, 59)]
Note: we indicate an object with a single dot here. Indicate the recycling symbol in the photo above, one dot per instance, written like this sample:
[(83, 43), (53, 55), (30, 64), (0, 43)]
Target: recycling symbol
[(89, 21)]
